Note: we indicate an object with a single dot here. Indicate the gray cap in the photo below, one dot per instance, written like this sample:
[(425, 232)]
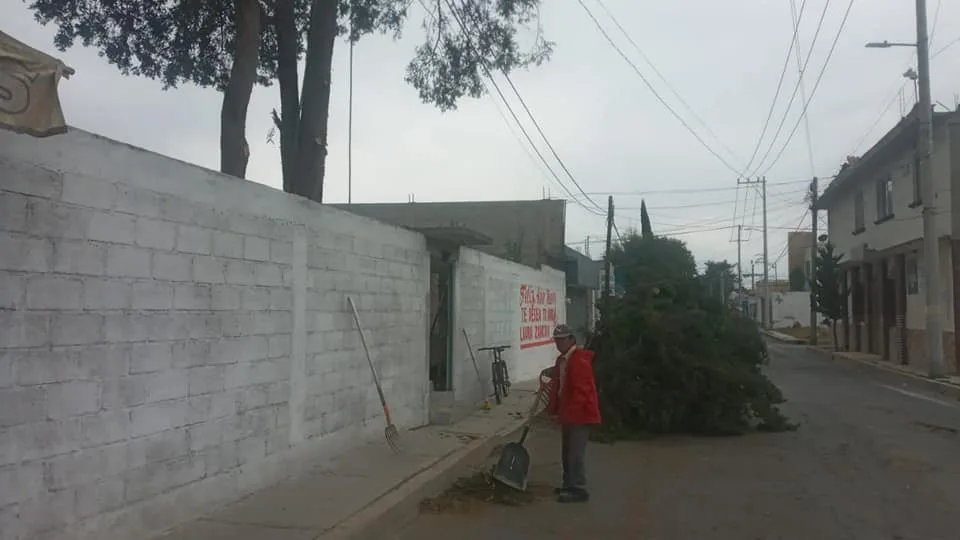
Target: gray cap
[(562, 331)]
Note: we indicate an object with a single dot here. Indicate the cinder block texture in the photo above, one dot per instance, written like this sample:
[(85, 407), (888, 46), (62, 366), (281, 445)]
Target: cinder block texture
[(486, 304), (172, 338)]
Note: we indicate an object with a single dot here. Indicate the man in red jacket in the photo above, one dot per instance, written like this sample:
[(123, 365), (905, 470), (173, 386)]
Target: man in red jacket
[(574, 403)]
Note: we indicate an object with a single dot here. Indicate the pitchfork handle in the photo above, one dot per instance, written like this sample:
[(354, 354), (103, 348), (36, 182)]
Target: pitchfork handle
[(366, 350)]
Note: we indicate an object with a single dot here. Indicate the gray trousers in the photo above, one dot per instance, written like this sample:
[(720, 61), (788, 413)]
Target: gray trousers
[(573, 451)]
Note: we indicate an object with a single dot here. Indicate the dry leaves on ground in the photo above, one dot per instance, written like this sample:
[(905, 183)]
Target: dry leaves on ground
[(472, 493)]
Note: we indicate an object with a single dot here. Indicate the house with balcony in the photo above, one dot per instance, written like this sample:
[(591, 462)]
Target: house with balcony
[(874, 208)]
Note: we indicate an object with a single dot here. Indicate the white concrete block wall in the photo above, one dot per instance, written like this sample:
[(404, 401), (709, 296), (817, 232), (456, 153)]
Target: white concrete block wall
[(172, 339), (790, 308), (487, 303)]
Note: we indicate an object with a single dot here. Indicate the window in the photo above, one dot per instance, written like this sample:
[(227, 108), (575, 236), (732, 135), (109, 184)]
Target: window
[(885, 199), (858, 212), (912, 275), (917, 200)]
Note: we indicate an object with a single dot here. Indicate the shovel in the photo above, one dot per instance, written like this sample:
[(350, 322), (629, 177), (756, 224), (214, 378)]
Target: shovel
[(514, 464)]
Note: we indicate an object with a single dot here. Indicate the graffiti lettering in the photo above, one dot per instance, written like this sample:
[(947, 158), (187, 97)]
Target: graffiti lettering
[(538, 315)]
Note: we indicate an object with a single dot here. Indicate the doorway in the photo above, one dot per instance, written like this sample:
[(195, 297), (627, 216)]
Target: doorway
[(441, 319)]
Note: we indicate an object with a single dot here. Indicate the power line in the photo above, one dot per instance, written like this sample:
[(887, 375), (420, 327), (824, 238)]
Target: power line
[(513, 113), (949, 44), (541, 163), (647, 192), (615, 229), (666, 83), (460, 21), (693, 205), (553, 151), (719, 228), (803, 91), (936, 18), (816, 85), (796, 88), (776, 94), (654, 90), (717, 220)]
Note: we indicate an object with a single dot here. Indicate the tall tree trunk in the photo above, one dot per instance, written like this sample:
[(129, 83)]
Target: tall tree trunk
[(234, 152), (315, 99), (289, 119)]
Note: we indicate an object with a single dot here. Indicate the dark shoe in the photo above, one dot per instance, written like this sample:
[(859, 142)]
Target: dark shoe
[(560, 490), (574, 495)]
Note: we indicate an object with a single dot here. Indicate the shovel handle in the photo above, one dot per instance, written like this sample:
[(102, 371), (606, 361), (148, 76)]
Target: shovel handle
[(526, 430)]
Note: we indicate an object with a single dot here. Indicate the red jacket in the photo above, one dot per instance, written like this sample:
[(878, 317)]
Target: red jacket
[(578, 402)]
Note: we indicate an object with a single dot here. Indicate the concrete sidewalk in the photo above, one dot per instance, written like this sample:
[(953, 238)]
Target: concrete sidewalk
[(948, 385), (357, 494)]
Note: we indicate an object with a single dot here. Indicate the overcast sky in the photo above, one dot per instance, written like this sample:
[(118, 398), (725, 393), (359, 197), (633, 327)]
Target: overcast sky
[(722, 58)]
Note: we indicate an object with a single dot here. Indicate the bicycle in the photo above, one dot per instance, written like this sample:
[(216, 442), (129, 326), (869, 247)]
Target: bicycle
[(501, 378)]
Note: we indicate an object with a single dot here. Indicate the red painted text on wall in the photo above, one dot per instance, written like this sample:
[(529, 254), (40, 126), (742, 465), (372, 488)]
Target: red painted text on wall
[(538, 315)]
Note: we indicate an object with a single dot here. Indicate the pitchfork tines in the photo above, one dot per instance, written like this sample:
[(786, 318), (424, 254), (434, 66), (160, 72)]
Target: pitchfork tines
[(393, 437), (391, 432)]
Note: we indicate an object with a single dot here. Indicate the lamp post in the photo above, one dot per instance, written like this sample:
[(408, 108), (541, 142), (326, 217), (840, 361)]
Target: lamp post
[(931, 249)]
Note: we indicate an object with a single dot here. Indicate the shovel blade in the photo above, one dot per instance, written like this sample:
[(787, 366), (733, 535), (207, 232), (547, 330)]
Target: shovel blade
[(513, 467)]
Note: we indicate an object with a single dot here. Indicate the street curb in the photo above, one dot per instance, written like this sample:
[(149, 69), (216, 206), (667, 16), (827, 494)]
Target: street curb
[(941, 387), (396, 508)]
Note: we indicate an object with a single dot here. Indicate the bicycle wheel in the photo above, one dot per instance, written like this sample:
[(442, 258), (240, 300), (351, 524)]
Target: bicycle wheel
[(505, 378), (497, 383)]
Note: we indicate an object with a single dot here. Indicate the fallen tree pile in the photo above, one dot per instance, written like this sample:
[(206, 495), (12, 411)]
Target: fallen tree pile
[(673, 358)]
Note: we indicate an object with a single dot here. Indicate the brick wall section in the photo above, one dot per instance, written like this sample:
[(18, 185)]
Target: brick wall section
[(171, 339)]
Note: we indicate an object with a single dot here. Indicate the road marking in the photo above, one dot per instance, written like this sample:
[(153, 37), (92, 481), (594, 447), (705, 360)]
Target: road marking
[(917, 395)]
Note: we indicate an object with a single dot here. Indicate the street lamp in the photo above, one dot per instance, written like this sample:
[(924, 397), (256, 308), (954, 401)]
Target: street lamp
[(931, 251), (887, 44)]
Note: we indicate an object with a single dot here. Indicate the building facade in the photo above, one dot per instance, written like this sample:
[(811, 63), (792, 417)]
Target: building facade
[(800, 245), (526, 232), (483, 248), (874, 208)]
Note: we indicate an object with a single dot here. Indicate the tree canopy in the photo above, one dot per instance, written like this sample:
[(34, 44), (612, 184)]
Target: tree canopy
[(233, 45), (646, 229), (720, 279), (656, 261), (832, 292)]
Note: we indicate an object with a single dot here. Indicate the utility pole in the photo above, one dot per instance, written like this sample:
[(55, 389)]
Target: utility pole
[(767, 305), (739, 267), (766, 256), (606, 258), (931, 249), (350, 120), (814, 329)]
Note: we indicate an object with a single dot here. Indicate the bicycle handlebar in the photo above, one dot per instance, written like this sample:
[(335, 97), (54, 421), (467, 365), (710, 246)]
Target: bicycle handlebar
[(494, 348)]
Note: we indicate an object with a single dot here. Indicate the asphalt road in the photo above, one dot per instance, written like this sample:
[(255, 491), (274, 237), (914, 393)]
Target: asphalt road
[(874, 459)]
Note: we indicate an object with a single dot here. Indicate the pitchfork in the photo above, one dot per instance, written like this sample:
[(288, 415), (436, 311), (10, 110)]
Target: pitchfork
[(390, 432)]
